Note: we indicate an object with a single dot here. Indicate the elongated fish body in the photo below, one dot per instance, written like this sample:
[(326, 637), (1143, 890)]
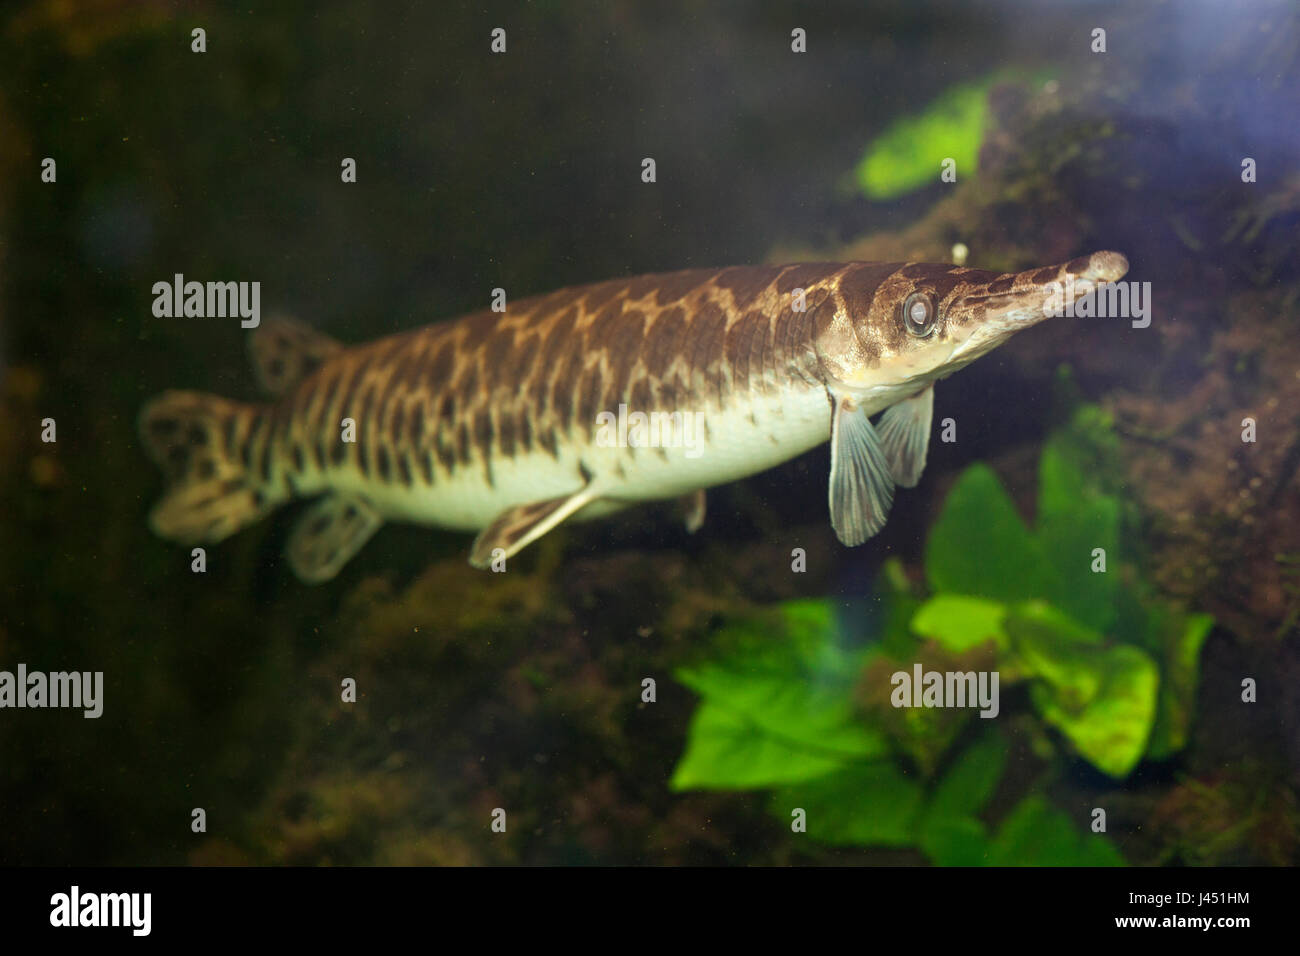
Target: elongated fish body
[(575, 404)]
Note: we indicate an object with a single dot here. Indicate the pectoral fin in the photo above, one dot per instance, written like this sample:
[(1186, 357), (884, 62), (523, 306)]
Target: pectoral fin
[(862, 488), (328, 534), (517, 527), (905, 437)]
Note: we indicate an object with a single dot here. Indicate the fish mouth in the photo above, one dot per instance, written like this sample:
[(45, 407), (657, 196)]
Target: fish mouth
[(1091, 270), (1017, 301)]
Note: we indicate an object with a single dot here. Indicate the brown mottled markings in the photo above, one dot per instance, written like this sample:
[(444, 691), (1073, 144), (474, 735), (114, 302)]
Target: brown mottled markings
[(348, 387), (664, 341), (415, 424), (506, 433), (746, 283), (516, 365), (625, 337), (555, 341), (536, 306), (442, 364), (710, 328), (497, 351), (804, 275), (445, 450), (252, 439), (791, 344), (475, 330), (642, 394), (264, 456), (466, 383), (362, 449), (397, 420), (483, 435), (941, 285), (1076, 266), (548, 441), (740, 343), (588, 400), (232, 424), (1045, 275), (641, 286), (601, 293), (562, 386), (858, 285), (1002, 285), (676, 286), (366, 434)]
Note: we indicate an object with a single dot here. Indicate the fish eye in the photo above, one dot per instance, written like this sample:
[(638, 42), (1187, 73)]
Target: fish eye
[(919, 314)]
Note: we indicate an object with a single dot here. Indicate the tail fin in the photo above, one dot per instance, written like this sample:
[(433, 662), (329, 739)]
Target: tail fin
[(204, 445)]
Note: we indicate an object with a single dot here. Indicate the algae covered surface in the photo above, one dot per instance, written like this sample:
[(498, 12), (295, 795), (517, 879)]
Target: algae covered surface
[(629, 693)]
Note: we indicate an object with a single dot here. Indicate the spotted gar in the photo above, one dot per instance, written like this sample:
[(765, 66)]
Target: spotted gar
[(490, 423)]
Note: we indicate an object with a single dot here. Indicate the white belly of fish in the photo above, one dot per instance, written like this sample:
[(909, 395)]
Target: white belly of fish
[(743, 439)]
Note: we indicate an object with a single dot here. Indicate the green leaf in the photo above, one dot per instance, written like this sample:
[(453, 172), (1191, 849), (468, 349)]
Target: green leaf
[(790, 706), (955, 841), (949, 832), (896, 605), (724, 751), (1076, 516), (871, 804), (1181, 673), (979, 546), (1103, 698), (969, 784), (910, 152), (779, 707), (959, 622), (1036, 834)]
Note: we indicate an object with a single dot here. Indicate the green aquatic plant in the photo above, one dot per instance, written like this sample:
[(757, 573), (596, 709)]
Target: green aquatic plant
[(794, 704), (909, 153)]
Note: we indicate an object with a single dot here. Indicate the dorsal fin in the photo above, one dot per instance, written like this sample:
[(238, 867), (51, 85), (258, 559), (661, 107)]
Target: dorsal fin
[(285, 351)]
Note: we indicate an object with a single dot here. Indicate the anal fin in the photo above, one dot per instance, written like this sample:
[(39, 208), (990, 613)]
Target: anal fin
[(904, 432), (861, 486), (328, 534), (517, 527)]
